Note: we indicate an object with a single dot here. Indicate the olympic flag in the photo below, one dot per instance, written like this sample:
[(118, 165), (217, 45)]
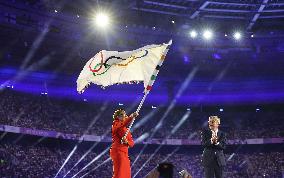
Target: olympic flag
[(112, 67)]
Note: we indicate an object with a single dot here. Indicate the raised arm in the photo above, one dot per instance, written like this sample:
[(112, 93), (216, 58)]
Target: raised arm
[(119, 124), (127, 121)]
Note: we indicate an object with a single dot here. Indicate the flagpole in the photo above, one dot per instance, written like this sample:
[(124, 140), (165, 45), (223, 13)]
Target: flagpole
[(138, 109), (142, 101), (149, 87)]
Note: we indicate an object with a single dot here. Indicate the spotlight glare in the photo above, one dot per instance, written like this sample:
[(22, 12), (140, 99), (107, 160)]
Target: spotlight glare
[(221, 109), (193, 34), (207, 34), (102, 20), (251, 36), (173, 21), (237, 35), (185, 59), (55, 11)]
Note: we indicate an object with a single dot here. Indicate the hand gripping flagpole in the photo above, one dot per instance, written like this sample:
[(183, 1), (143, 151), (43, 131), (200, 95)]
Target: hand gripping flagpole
[(149, 87)]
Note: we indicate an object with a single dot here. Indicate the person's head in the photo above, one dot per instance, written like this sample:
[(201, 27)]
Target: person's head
[(214, 122), (119, 114), (185, 174)]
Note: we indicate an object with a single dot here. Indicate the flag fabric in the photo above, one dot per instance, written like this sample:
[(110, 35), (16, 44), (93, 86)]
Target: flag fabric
[(112, 67)]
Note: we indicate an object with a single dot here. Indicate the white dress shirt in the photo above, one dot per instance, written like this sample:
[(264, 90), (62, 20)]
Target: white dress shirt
[(214, 133)]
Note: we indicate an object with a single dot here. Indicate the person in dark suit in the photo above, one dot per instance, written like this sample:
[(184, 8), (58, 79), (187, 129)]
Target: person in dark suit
[(214, 142)]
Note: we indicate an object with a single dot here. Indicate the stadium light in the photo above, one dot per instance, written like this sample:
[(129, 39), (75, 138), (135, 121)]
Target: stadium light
[(185, 59), (207, 34), (193, 34), (237, 35), (102, 20)]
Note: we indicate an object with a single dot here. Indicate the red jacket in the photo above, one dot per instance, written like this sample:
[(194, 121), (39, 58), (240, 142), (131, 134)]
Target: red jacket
[(118, 130)]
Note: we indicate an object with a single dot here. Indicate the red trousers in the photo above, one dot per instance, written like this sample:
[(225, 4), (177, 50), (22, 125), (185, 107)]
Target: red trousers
[(121, 164)]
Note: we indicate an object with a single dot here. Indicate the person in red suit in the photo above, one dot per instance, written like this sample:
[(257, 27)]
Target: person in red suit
[(120, 144)]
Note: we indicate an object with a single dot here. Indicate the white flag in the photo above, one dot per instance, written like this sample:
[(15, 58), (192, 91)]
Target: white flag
[(112, 67)]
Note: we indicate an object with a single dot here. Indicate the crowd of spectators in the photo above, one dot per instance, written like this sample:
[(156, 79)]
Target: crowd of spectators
[(67, 116), (42, 161)]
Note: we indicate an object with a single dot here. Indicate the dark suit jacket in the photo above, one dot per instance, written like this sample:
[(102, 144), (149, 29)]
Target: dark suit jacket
[(211, 151)]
